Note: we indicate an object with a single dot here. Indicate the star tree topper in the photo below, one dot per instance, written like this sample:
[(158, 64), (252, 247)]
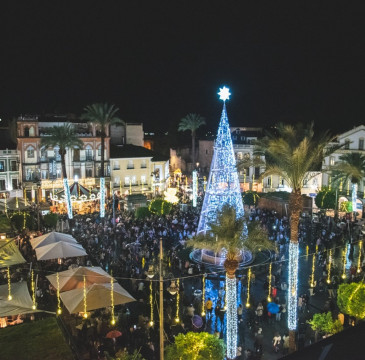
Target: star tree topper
[(224, 93)]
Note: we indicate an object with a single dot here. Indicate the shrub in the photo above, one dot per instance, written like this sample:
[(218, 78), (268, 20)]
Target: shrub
[(160, 207), (142, 212), (50, 220)]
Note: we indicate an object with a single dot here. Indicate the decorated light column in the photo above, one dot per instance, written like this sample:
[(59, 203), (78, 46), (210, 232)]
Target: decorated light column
[(66, 187), (293, 286), (102, 197)]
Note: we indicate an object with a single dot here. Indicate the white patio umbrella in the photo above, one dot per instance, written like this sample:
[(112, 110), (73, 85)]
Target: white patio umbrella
[(97, 296), (60, 250), (51, 238), (74, 278)]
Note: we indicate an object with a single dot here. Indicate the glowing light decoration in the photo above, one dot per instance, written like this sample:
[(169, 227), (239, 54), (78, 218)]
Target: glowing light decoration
[(59, 310), (348, 188), (341, 185), (248, 287), (33, 195), (170, 196), (85, 300), (205, 182), (25, 198), (102, 197), (151, 304), (66, 187), (313, 270), (177, 317), (293, 286), (354, 197), (306, 252), (270, 276), (203, 295), (34, 306), (195, 190), (344, 260), (112, 299), (231, 318), (9, 285), (223, 184), (359, 258), (224, 93), (329, 266)]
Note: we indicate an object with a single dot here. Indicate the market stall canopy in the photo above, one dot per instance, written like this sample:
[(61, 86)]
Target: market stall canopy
[(9, 254), (97, 296), (51, 238), (59, 250), (74, 278), (21, 302), (14, 204)]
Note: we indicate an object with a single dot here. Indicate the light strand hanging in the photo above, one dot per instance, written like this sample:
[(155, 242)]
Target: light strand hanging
[(25, 197), (348, 188), (151, 304), (24, 220), (269, 294), (33, 290), (203, 296), (306, 252), (359, 258), (177, 317), (59, 310), (344, 260), (85, 300), (9, 285), (313, 268), (112, 298), (248, 288), (329, 267)]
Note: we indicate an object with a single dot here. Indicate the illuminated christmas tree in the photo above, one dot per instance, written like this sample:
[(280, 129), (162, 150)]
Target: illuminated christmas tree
[(223, 185)]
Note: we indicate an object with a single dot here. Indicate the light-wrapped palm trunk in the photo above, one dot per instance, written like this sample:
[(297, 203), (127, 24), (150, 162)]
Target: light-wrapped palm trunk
[(354, 198), (102, 179), (231, 296), (295, 209), (66, 185)]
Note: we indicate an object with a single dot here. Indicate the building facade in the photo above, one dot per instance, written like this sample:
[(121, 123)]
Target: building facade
[(135, 169), (41, 167), (9, 165)]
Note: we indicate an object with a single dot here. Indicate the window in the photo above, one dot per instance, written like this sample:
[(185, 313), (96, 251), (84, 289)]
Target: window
[(130, 164), (99, 151), (31, 131), (2, 184), (2, 166), (89, 173), (76, 154), (89, 154), (43, 153), (26, 131), (257, 172), (361, 144), (14, 183), (116, 165), (332, 160), (143, 164), (126, 180), (44, 174), (143, 179), (134, 180), (13, 165), (30, 153), (269, 181)]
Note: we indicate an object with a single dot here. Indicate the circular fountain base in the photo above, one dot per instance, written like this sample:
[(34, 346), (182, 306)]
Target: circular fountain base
[(216, 260)]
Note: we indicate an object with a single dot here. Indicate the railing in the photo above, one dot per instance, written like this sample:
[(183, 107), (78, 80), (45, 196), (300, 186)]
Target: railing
[(130, 166)]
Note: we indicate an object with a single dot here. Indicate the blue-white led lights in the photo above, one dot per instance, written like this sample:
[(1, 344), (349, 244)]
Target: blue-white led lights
[(102, 197), (293, 286), (354, 196), (231, 318), (66, 187), (224, 93), (223, 184), (195, 188)]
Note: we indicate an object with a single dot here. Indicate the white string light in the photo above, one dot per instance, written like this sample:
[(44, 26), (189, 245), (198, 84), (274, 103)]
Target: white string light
[(231, 318), (66, 187), (293, 285), (102, 197)]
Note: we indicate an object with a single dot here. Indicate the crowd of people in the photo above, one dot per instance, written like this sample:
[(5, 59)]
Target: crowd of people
[(127, 247)]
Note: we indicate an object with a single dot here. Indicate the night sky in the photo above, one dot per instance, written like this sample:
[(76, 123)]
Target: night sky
[(157, 61)]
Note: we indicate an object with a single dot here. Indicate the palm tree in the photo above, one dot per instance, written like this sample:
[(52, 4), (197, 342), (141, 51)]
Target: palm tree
[(65, 138), (229, 235), (291, 153), (350, 168), (191, 122), (102, 115)]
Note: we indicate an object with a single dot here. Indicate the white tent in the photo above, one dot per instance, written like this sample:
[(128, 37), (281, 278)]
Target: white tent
[(60, 250), (74, 278), (97, 296), (21, 302), (51, 238)]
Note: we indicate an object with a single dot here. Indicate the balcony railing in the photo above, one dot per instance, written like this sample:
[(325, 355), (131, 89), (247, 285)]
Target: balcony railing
[(130, 166)]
